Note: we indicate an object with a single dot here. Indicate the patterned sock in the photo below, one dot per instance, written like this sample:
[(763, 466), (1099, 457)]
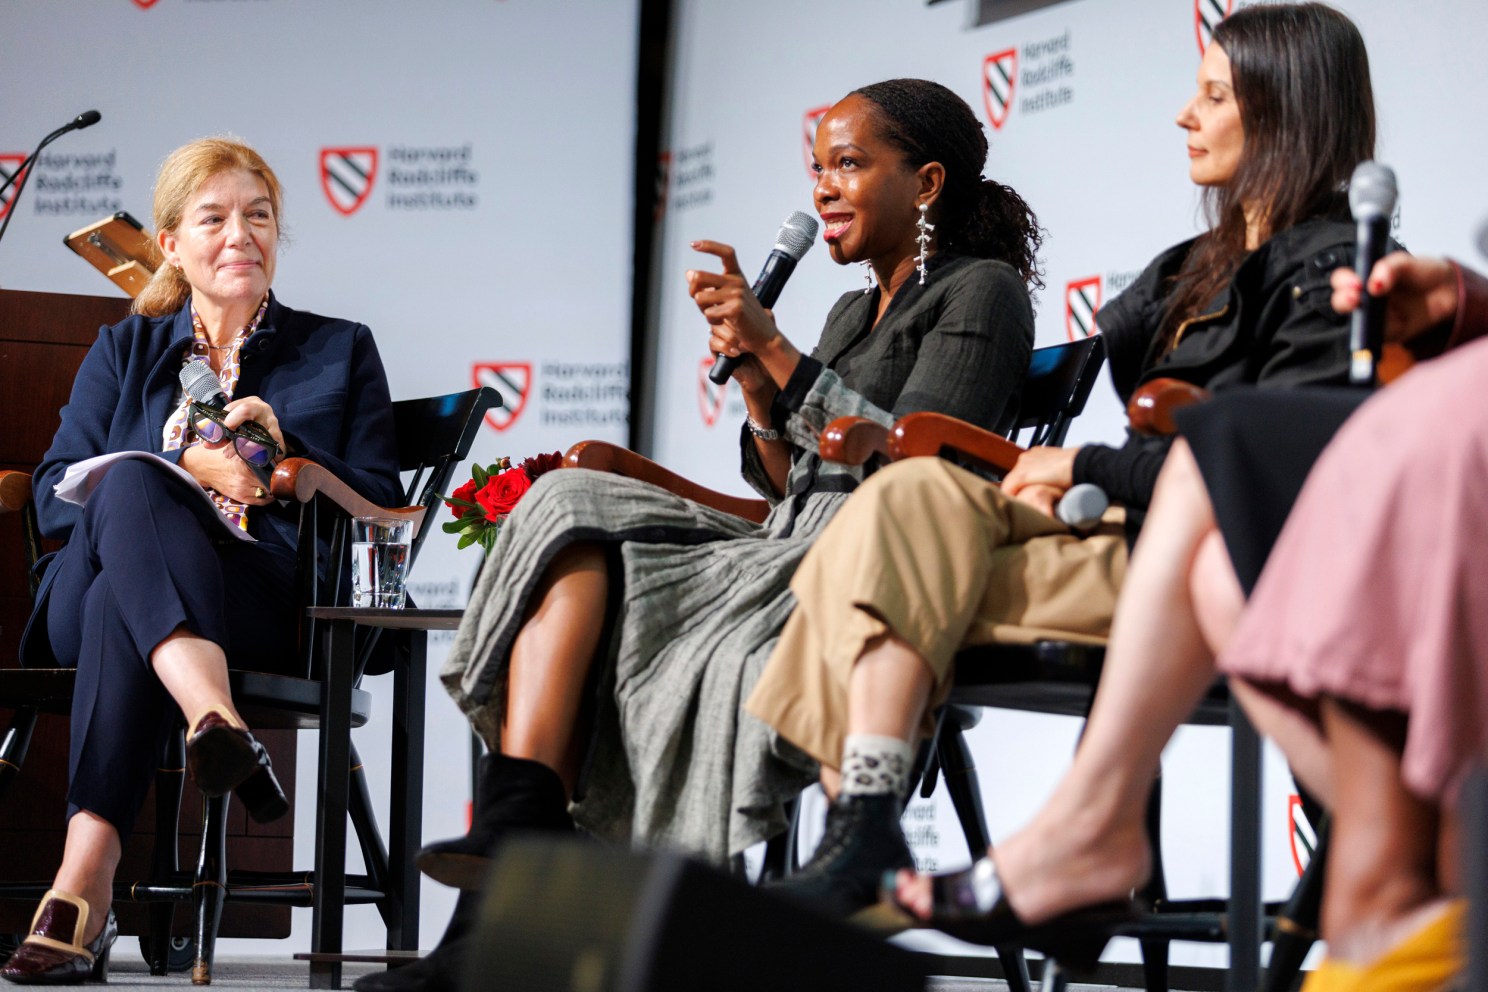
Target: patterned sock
[(875, 765)]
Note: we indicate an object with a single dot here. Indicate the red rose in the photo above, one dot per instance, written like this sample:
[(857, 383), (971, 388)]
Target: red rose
[(467, 493), (501, 493), (539, 464)]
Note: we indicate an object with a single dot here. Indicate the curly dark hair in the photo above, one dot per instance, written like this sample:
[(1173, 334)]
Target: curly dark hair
[(976, 216)]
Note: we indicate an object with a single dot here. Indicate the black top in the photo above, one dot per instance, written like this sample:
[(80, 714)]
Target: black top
[(1274, 325)]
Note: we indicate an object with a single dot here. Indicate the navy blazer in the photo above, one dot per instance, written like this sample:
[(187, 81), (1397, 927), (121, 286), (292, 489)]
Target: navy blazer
[(323, 377)]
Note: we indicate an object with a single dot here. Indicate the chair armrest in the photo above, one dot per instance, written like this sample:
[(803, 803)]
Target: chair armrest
[(300, 479), (601, 456), (934, 434), (853, 440), (1152, 406), (15, 490)]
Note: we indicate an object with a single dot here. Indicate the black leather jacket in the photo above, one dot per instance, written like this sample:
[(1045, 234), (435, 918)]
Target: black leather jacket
[(1274, 325)]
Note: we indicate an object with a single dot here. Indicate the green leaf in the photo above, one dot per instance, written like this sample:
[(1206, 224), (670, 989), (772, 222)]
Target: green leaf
[(479, 475), (466, 540)]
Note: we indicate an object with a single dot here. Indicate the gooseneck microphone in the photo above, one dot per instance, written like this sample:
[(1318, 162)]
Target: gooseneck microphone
[(86, 119), (796, 235), (1372, 202)]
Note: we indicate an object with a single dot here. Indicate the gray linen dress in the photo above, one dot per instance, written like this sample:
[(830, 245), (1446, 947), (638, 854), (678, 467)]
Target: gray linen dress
[(700, 597)]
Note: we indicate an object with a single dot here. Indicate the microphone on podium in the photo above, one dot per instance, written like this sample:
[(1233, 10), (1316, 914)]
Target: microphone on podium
[(86, 119), (796, 235)]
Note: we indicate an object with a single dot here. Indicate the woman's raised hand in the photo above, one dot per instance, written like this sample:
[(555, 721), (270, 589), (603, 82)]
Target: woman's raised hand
[(740, 326)]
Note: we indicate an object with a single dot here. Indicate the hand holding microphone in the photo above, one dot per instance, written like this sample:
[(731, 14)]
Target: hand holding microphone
[(1372, 202), (737, 316), (255, 445)]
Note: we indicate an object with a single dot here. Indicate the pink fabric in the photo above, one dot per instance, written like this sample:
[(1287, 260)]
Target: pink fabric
[(1377, 590)]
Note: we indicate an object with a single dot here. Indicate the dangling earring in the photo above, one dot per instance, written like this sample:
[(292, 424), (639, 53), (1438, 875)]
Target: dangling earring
[(924, 239), (868, 277)]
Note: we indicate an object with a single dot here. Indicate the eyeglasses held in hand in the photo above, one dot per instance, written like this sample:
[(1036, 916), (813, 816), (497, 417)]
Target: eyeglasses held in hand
[(252, 443)]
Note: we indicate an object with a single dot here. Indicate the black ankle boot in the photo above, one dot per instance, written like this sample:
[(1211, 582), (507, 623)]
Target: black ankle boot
[(513, 794), (863, 840), (439, 970)]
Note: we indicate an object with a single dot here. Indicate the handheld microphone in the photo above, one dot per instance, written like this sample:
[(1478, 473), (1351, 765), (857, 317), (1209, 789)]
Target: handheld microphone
[(1482, 239), (1372, 202), (202, 385), (796, 235), (1080, 508), (86, 119)]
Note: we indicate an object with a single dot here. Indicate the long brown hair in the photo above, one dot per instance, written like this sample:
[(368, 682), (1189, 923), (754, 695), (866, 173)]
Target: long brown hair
[(1301, 78), (183, 172)]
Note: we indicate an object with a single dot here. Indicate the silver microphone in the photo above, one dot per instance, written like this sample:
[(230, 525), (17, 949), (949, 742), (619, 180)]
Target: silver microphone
[(1081, 507)]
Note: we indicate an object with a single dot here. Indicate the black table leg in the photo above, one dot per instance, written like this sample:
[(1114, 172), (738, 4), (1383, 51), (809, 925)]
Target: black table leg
[(328, 912)]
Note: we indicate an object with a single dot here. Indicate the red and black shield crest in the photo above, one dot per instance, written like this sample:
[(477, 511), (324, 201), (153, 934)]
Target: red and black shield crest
[(810, 121), (10, 168), (347, 175), (144, 4), (513, 380), (999, 80), (1207, 15), (1082, 299), (710, 394), (1303, 836)]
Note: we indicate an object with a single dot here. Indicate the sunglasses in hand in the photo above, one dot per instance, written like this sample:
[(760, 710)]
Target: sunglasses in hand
[(252, 443)]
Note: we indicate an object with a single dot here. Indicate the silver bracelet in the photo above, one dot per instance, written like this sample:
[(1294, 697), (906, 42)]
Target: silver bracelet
[(763, 433)]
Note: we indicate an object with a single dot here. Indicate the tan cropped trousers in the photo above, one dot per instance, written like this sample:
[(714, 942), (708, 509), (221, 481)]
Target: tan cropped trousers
[(943, 559)]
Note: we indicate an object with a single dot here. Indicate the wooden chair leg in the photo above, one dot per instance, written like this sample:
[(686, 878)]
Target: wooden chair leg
[(14, 745), (165, 861), (210, 888), (1296, 927)]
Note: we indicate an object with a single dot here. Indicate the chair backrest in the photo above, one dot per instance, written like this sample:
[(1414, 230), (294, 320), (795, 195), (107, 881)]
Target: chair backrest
[(1059, 381), (435, 435)]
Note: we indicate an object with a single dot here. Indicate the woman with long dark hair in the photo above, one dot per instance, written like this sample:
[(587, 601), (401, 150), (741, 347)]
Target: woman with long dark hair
[(927, 557), (695, 598)]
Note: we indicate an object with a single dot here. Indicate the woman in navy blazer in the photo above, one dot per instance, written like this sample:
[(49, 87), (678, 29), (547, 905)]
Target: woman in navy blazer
[(153, 595)]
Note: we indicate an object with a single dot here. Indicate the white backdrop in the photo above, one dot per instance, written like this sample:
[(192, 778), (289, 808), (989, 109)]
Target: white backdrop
[(1087, 135), (493, 237)]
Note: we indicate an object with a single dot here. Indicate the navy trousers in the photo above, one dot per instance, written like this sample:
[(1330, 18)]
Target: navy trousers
[(146, 558)]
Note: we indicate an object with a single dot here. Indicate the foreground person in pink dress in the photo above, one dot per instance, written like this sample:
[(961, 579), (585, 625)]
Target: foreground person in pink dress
[(1364, 639)]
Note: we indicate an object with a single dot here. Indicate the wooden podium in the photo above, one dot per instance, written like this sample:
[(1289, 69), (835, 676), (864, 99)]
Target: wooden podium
[(43, 338)]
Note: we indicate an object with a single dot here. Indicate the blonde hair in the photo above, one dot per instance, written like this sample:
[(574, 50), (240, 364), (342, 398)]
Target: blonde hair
[(183, 172)]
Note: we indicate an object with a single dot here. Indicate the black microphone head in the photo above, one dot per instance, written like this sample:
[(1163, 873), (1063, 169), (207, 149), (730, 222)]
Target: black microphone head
[(202, 384), (87, 119), (796, 235), (1372, 191)]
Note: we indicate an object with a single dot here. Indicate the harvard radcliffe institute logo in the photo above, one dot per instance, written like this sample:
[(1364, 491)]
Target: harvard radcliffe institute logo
[(810, 121), (999, 79), (1304, 838), (710, 395), (1207, 15), (144, 4), (513, 380), (1082, 299), (10, 168), (347, 175)]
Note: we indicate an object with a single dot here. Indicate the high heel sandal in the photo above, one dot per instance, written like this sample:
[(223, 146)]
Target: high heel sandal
[(46, 958), (971, 906), (222, 758)]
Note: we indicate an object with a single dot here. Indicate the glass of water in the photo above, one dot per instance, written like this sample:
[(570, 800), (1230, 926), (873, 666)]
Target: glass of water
[(379, 561)]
